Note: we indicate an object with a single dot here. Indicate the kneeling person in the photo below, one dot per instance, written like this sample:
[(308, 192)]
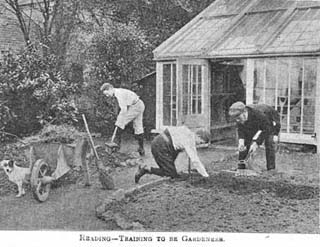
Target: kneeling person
[(165, 148)]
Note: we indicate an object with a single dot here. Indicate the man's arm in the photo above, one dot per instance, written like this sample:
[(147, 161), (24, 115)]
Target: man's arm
[(241, 137), (241, 131), (190, 149)]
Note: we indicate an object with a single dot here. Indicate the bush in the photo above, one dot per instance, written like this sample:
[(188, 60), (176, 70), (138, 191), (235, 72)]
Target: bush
[(100, 111), (6, 117), (119, 54), (34, 92)]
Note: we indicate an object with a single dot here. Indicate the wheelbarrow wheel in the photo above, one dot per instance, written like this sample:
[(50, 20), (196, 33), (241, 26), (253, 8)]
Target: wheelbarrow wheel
[(40, 189)]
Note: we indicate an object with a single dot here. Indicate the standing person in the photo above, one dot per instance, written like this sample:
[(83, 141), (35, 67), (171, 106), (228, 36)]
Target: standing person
[(165, 148), (131, 109), (256, 123)]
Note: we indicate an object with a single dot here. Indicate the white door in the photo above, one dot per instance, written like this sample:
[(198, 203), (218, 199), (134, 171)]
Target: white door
[(167, 95), (182, 94), (194, 92)]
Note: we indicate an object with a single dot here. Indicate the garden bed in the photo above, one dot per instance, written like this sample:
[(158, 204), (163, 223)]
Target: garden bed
[(284, 202), (223, 203)]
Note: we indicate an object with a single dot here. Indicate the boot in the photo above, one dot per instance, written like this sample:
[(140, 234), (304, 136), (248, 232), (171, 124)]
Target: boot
[(141, 171), (140, 142)]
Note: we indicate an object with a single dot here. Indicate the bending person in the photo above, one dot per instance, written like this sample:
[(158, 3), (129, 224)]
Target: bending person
[(165, 148), (256, 124), (131, 110)]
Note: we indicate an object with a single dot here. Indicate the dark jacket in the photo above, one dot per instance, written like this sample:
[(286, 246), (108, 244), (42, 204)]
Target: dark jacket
[(260, 117)]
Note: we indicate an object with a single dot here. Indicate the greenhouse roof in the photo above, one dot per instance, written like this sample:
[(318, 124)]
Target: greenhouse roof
[(241, 28)]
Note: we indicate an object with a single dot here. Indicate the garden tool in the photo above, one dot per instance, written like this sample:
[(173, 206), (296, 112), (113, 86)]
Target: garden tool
[(105, 179), (189, 169), (112, 146), (245, 163), (282, 102)]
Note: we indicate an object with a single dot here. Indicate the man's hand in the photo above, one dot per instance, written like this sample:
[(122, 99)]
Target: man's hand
[(253, 147), (275, 139), (241, 146)]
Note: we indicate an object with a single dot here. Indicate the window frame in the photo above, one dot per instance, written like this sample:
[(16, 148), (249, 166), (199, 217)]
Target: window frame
[(194, 99)]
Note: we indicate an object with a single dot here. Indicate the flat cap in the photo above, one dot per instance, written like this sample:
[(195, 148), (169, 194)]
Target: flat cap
[(236, 109)]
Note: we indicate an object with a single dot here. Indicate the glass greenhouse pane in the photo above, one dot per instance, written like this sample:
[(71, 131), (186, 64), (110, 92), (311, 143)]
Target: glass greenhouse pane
[(169, 94), (295, 117), (270, 91), (296, 75), (258, 90), (282, 91), (308, 115), (310, 77), (309, 93)]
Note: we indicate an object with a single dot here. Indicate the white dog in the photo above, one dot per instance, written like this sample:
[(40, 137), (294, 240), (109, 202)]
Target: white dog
[(16, 174)]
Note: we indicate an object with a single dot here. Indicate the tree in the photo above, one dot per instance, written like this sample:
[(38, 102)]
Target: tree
[(120, 54), (117, 28), (48, 21), (157, 19)]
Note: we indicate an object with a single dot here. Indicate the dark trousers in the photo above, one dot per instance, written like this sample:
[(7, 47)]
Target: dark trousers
[(270, 151), (164, 154)]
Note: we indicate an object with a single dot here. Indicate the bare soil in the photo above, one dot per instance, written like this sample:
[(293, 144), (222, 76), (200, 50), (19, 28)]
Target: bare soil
[(287, 202)]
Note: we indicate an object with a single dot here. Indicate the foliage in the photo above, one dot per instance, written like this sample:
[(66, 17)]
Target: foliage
[(35, 92), (119, 54), (100, 111), (123, 35), (113, 40), (6, 116), (157, 19)]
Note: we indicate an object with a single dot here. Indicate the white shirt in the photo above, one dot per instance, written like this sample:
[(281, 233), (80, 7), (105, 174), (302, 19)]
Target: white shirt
[(125, 98), (184, 139)]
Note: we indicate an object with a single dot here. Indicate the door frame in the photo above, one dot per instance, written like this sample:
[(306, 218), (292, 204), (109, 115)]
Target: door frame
[(203, 120)]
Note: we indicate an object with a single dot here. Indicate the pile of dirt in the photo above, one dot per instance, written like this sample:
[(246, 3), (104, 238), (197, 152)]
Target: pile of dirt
[(55, 133)]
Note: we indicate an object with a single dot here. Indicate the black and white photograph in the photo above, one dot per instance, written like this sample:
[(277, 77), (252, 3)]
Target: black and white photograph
[(159, 122)]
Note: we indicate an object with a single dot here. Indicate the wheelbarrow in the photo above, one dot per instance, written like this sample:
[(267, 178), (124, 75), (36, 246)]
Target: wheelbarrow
[(51, 161)]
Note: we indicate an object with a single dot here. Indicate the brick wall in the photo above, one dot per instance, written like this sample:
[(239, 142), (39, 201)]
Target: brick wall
[(11, 37)]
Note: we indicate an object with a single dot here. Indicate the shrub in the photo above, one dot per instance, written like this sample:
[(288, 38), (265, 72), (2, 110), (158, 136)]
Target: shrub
[(119, 54), (100, 111), (35, 92)]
